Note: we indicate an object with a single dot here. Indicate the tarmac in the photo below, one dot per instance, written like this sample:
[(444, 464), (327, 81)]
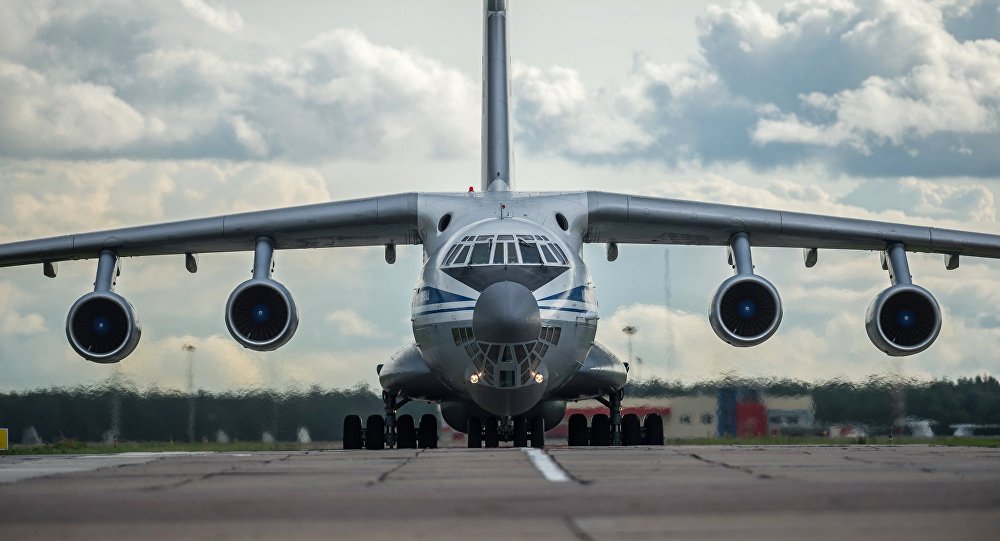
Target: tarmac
[(672, 492)]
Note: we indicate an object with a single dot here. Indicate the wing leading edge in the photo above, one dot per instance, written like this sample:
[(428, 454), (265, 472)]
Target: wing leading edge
[(373, 221), (620, 218)]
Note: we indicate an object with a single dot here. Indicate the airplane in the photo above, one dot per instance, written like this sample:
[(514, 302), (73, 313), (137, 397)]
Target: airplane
[(504, 312)]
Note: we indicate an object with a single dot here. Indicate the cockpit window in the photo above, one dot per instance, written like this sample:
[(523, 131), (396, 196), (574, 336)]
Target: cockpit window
[(504, 250), (549, 258), (498, 258), (461, 256), (529, 253), (480, 253)]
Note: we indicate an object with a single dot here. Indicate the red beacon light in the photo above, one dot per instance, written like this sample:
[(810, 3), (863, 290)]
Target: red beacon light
[(471, 189)]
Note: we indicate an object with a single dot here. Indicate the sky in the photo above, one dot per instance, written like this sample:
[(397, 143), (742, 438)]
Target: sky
[(117, 114)]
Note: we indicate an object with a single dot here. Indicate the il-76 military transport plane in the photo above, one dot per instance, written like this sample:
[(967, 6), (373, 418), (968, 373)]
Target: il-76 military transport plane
[(504, 312)]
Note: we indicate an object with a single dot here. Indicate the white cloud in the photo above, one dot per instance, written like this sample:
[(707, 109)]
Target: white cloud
[(219, 17), (350, 323), (17, 324)]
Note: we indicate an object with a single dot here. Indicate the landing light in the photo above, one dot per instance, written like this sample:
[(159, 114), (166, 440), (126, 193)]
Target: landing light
[(539, 378), (474, 378)]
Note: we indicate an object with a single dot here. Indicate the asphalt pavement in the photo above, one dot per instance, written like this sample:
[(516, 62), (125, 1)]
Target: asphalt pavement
[(672, 492)]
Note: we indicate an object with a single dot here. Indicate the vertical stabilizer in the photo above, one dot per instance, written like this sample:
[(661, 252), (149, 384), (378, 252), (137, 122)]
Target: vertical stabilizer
[(498, 155)]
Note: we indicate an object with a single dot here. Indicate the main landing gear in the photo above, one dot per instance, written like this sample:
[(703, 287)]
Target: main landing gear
[(613, 428), (381, 432), (492, 430)]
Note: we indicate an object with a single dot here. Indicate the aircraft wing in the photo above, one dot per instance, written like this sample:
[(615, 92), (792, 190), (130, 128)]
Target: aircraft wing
[(620, 218), (373, 221)]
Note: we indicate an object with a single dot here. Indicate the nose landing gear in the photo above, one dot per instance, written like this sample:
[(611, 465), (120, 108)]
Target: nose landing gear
[(518, 430)]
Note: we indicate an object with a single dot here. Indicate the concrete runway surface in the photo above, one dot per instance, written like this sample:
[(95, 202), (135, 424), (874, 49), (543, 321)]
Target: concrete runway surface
[(673, 492)]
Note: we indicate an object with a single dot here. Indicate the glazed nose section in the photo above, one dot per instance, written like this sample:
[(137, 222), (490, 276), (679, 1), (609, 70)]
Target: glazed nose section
[(506, 313)]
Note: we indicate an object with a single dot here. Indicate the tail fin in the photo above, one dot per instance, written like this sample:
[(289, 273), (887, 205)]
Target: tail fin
[(498, 154)]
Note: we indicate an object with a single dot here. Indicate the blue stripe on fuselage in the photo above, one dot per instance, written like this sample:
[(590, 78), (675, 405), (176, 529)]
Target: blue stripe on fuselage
[(432, 295)]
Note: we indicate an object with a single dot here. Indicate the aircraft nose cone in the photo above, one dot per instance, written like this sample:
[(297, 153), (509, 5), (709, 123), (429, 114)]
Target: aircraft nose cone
[(505, 313)]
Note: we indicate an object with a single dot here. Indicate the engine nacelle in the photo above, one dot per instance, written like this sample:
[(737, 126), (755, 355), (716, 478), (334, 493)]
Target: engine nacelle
[(746, 310), (261, 314), (903, 320), (103, 327)]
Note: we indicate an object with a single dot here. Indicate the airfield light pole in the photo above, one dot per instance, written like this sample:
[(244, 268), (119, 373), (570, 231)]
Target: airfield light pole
[(630, 331), (189, 350)]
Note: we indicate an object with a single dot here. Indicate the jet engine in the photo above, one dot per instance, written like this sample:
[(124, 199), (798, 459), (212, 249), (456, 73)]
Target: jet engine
[(746, 310), (903, 320), (103, 327), (261, 314)]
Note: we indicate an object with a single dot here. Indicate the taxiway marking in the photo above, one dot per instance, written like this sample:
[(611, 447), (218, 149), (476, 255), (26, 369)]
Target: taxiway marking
[(548, 467)]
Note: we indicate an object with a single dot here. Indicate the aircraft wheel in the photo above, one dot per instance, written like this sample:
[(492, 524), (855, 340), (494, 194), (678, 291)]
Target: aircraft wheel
[(475, 433), (406, 432), (600, 430), (375, 432), (491, 437), (520, 432), (352, 432), (427, 435), (577, 430), (538, 432), (631, 431), (654, 429)]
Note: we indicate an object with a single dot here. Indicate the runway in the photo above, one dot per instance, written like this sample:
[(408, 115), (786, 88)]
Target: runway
[(673, 492)]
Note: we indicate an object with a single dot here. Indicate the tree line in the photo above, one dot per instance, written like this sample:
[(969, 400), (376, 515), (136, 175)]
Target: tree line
[(124, 413), (121, 411)]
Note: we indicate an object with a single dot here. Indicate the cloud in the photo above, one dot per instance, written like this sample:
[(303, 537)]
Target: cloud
[(17, 324), (867, 88), (350, 323), (219, 17), (108, 80)]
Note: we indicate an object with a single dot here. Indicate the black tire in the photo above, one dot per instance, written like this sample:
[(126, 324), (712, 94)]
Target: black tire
[(654, 429), (406, 432), (520, 432), (491, 437), (352, 432), (577, 430), (538, 432), (427, 435), (375, 433), (475, 433), (631, 430), (600, 431)]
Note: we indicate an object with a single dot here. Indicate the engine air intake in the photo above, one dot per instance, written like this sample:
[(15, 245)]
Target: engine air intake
[(903, 320), (103, 327), (746, 310), (261, 315)]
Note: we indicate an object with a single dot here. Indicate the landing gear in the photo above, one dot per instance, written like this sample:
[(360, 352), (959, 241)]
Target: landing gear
[(520, 432), (517, 429), (427, 435), (631, 430), (492, 437), (578, 435), (380, 431), (475, 433), (406, 433), (600, 431), (538, 432), (352, 432), (653, 428), (614, 404), (375, 433)]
